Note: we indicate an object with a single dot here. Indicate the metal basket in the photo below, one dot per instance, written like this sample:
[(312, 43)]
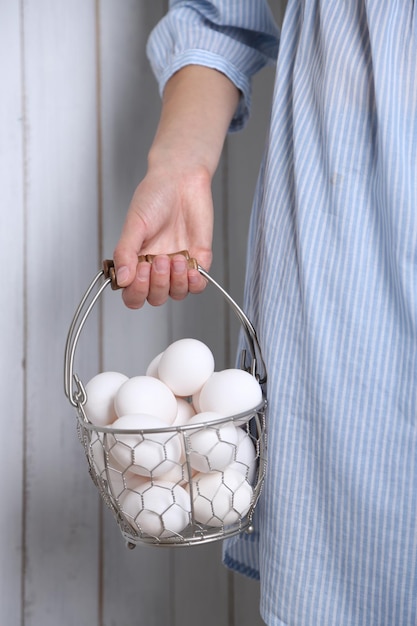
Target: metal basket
[(117, 485)]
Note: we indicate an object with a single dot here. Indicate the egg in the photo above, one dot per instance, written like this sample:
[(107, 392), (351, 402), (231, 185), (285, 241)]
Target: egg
[(185, 412), (145, 453), (152, 369), (177, 475), (221, 498), (245, 460), (195, 399), (160, 509), (185, 366), (211, 447), (115, 477), (146, 395), (101, 391), (230, 392)]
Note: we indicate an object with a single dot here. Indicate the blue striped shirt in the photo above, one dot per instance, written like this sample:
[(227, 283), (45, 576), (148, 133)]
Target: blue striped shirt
[(332, 289)]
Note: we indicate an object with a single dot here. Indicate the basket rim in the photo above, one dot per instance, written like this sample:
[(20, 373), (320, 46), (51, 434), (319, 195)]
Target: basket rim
[(85, 423)]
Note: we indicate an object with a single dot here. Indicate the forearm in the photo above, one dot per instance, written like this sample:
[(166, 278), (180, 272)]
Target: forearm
[(198, 105)]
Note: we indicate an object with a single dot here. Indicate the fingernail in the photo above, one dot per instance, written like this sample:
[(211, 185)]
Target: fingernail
[(143, 271), (179, 266), (161, 264), (122, 275), (193, 279)]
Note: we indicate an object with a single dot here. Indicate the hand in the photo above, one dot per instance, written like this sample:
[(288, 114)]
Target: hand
[(171, 210)]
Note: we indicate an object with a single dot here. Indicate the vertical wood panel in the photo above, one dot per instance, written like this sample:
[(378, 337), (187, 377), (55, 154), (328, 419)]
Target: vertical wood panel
[(201, 587), (67, 536), (11, 313), (163, 583), (61, 189), (136, 584)]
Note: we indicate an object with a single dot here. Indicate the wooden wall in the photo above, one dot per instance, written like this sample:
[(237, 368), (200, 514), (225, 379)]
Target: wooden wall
[(77, 112)]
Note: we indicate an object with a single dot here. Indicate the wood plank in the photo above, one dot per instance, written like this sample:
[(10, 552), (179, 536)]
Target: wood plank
[(163, 583), (246, 602), (201, 587), (12, 334), (135, 584), (61, 513), (130, 110)]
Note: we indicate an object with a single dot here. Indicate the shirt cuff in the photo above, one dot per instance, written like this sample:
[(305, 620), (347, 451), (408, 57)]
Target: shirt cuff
[(217, 62)]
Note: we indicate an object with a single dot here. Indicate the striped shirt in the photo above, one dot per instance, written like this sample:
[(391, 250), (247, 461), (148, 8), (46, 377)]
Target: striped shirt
[(332, 290)]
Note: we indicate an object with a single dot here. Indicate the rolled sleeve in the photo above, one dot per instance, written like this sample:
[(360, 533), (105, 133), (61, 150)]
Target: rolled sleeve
[(235, 38)]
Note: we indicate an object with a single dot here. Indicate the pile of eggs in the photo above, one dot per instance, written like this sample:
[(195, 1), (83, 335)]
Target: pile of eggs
[(180, 458)]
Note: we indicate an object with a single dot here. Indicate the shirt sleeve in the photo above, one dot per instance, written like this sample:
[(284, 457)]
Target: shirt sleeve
[(236, 38)]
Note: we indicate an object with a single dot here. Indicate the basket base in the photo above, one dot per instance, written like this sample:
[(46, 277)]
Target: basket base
[(189, 537)]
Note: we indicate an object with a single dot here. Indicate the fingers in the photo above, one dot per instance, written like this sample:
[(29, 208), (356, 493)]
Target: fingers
[(125, 255), (134, 296), (178, 288), (164, 277)]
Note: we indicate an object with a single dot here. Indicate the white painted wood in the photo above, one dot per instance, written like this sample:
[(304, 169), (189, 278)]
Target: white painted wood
[(135, 584), (64, 197), (148, 581), (61, 539), (129, 111), (201, 587), (12, 334), (246, 602)]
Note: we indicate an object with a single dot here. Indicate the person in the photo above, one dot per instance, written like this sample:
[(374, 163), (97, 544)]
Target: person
[(331, 282)]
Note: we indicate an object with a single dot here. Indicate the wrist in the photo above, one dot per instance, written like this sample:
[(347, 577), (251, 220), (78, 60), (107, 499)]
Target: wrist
[(180, 160), (186, 176)]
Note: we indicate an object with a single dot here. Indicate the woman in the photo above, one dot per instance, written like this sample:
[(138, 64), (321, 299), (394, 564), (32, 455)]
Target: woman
[(331, 287)]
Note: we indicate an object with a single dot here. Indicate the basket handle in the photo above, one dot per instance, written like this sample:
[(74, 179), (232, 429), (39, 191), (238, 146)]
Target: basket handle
[(110, 272), (107, 276)]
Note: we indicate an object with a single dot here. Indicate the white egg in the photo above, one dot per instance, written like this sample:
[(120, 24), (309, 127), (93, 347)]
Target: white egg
[(118, 483), (185, 366), (185, 412), (114, 475), (146, 395), (195, 399), (145, 453), (221, 498), (230, 392), (245, 461), (211, 447), (160, 509), (101, 391), (178, 474), (152, 369)]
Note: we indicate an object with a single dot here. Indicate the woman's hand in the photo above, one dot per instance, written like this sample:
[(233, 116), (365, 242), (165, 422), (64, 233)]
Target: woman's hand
[(172, 208)]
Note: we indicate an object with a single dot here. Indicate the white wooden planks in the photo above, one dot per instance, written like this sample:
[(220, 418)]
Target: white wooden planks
[(135, 584), (73, 146), (12, 333), (61, 249)]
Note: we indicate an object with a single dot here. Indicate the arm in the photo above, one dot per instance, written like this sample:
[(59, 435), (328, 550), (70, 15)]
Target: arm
[(172, 207)]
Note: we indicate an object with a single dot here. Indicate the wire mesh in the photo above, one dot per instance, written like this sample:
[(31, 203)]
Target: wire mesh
[(180, 485), (203, 484)]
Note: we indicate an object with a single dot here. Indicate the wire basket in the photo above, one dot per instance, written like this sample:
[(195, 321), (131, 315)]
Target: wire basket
[(192, 507)]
